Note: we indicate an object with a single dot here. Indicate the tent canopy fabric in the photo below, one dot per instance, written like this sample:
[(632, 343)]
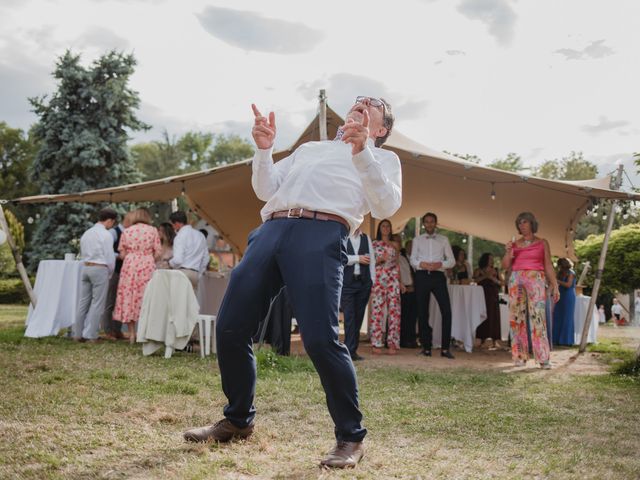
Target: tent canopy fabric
[(459, 192)]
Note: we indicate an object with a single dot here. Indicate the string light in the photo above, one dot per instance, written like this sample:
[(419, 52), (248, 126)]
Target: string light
[(493, 191)]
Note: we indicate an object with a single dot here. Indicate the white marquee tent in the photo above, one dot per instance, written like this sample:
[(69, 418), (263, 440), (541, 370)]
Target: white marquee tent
[(458, 191)]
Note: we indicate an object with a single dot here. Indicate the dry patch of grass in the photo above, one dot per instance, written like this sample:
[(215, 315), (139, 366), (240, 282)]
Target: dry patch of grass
[(103, 411)]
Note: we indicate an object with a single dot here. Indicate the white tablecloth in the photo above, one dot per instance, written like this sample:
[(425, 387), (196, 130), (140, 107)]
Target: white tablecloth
[(168, 314), (468, 310), (579, 315), (211, 289), (57, 291)]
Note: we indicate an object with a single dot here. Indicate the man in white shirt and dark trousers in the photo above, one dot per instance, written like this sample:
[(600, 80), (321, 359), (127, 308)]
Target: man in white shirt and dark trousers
[(431, 255), (113, 328), (96, 251), (314, 198), (190, 251), (359, 275)]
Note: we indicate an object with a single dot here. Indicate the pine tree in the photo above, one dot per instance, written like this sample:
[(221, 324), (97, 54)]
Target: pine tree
[(82, 131)]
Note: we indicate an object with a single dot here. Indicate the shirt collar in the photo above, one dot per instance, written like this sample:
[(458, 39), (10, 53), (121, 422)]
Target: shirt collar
[(434, 235)]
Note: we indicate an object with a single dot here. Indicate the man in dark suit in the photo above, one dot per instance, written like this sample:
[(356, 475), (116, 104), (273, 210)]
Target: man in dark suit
[(356, 288)]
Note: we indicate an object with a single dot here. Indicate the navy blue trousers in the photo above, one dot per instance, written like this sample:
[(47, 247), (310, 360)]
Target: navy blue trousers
[(353, 302), (308, 256)]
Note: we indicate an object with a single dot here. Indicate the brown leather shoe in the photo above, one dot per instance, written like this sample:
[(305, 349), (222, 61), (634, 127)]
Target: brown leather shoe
[(344, 455), (223, 431)]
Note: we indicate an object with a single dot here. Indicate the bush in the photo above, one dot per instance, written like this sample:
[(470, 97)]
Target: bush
[(630, 368), (12, 291)]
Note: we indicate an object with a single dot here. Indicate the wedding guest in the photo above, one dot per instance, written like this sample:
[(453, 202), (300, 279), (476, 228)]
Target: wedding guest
[(190, 252), (602, 315), (111, 327), (529, 260), (166, 234), (616, 312), (357, 280), (385, 295), (563, 323), (461, 271), (408, 315), (431, 255), (96, 251), (139, 248), (487, 277)]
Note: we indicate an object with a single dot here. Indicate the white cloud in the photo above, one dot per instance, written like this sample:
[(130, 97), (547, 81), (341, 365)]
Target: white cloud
[(497, 15), (604, 125), (103, 39), (252, 31), (594, 50)]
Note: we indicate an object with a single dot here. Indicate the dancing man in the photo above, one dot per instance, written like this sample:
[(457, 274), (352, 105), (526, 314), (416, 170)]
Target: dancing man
[(315, 198)]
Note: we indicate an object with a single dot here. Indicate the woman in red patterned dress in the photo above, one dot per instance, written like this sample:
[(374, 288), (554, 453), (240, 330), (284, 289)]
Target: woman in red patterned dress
[(385, 294), (139, 247)]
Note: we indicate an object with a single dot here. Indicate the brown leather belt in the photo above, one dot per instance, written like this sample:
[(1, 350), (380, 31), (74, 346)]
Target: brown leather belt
[(310, 214), (91, 264)]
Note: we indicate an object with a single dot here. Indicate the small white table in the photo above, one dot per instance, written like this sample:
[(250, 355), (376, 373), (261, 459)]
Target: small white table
[(579, 316), (468, 310), (57, 291)]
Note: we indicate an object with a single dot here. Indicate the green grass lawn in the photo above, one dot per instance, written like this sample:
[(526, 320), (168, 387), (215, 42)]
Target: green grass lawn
[(72, 410)]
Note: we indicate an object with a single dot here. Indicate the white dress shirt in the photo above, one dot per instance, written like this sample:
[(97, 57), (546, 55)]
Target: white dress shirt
[(431, 249), (355, 258), (190, 250), (96, 246), (324, 176)]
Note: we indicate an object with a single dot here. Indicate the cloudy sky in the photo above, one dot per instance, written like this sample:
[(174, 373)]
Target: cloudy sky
[(540, 78)]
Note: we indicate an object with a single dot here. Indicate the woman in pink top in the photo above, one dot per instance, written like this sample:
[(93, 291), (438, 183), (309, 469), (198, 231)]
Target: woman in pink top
[(139, 247), (529, 260)]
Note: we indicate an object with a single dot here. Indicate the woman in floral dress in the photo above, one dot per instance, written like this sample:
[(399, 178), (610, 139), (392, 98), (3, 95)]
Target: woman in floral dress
[(139, 248), (385, 293), (529, 260)]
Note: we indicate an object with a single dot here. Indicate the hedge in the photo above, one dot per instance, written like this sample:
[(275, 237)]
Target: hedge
[(12, 291)]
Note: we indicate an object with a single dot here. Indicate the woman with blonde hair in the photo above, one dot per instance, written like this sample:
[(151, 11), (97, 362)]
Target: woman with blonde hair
[(139, 247), (529, 259)]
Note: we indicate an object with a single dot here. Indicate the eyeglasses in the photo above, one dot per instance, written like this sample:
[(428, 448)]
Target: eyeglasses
[(374, 102)]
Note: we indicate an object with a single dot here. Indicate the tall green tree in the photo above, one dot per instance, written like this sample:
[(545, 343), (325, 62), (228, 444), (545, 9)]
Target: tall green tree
[(17, 150), (512, 163), (195, 149), (229, 149), (158, 159), (573, 167), (621, 272), (192, 152), (82, 131)]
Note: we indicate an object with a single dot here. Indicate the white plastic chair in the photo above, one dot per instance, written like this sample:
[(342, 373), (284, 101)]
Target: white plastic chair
[(207, 332)]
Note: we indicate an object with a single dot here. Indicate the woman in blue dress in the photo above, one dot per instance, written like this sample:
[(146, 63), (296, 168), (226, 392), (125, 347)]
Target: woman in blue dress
[(563, 330)]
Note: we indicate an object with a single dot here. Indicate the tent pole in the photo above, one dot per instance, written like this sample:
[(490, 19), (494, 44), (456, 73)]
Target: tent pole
[(322, 117), (598, 274), (17, 256)]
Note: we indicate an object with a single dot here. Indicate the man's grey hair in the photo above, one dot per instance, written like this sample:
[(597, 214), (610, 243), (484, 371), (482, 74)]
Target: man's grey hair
[(387, 122)]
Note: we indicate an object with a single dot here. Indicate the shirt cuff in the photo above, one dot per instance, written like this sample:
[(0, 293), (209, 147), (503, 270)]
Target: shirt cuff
[(353, 259), (363, 159), (264, 155)]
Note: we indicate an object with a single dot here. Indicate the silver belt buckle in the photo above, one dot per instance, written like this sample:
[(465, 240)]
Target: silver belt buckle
[(292, 212)]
